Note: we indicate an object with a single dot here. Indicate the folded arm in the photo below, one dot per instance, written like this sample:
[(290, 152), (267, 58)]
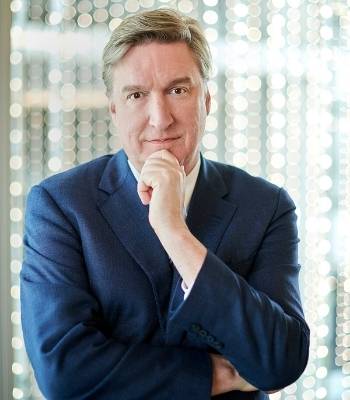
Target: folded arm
[(255, 322)]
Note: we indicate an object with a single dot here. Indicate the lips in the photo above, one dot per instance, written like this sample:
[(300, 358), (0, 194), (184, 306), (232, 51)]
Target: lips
[(162, 141)]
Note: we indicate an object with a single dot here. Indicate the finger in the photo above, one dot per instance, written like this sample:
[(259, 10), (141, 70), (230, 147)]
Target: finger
[(144, 191), (164, 155)]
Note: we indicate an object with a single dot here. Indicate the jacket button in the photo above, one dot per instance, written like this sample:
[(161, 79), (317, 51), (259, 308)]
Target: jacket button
[(203, 333), (210, 339), (218, 345), (195, 327)]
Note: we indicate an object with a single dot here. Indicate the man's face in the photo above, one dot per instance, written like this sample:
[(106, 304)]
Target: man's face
[(159, 101)]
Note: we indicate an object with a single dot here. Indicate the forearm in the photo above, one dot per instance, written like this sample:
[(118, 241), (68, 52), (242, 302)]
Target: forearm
[(267, 346), (186, 252)]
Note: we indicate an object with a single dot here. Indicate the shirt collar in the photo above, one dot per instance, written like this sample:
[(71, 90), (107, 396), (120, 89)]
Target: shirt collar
[(190, 181)]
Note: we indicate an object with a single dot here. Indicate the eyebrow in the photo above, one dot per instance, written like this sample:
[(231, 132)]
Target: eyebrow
[(183, 80)]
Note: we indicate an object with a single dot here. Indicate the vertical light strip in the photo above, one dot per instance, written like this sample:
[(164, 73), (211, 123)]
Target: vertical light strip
[(275, 92), (210, 21), (250, 123), (342, 235), (236, 49), (20, 370)]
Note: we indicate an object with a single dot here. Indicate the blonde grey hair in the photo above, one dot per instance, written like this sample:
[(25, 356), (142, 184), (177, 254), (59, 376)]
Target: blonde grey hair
[(163, 25)]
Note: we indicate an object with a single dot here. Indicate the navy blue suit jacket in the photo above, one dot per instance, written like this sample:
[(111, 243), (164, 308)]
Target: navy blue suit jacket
[(99, 311)]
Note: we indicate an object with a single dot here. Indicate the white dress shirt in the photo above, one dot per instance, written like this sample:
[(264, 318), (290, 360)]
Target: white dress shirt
[(190, 182)]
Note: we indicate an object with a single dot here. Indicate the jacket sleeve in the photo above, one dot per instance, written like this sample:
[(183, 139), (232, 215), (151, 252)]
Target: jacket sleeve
[(257, 323), (70, 350)]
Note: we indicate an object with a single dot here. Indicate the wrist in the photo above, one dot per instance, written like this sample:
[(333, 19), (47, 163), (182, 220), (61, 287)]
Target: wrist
[(186, 252), (175, 231)]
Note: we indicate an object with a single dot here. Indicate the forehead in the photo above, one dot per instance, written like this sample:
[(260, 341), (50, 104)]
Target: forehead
[(154, 61)]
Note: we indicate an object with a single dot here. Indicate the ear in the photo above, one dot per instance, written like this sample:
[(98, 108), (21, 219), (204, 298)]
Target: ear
[(112, 110), (207, 101)]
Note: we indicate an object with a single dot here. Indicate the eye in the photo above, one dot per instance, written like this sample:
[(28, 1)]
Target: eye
[(134, 96), (179, 90)]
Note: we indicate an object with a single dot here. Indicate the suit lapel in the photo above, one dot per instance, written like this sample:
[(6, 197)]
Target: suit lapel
[(128, 218), (209, 213)]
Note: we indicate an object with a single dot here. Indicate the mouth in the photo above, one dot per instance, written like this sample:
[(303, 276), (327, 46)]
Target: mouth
[(162, 141)]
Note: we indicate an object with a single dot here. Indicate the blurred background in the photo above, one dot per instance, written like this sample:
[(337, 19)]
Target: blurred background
[(280, 109)]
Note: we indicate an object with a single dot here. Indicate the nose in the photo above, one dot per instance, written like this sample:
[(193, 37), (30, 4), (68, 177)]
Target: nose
[(160, 116)]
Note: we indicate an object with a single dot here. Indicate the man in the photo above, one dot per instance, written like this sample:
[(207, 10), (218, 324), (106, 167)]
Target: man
[(154, 273)]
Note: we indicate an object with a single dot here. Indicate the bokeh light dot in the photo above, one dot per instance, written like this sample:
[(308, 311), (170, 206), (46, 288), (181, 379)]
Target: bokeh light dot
[(15, 266), (240, 103), (16, 5), (16, 136), (278, 100), (322, 331), (16, 240), (15, 84), (309, 382), (254, 34), (211, 34), (211, 155), (16, 162), (84, 6), (16, 343), (185, 6), (326, 32), (16, 214), (278, 160), (278, 179), (15, 292), (210, 141), (15, 188), (210, 17), (241, 10), (240, 159), (321, 393), (132, 6), (240, 121), (277, 120), (322, 351), (309, 395), (84, 20), (54, 164), (278, 140), (55, 135), (325, 182), (240, 141), (116, 10), (321, 372), (55, 18), (211, 123), (16, 317), (253, 83), (278, 81), (15, 110), (17, 393), (100, 15)]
